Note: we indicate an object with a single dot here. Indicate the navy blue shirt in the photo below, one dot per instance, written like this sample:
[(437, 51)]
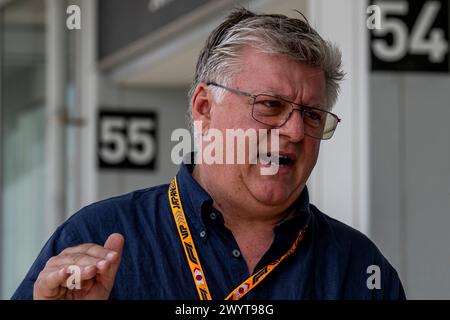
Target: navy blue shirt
[(330, 263)]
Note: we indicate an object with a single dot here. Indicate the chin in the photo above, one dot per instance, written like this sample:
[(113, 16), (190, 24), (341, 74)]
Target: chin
[(273, 190), (272, 194)]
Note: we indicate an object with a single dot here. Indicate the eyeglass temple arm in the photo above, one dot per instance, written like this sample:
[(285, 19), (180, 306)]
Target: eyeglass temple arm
[(230, 89)]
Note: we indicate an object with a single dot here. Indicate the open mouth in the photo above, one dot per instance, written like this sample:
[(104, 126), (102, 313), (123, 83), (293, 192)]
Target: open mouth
[(284, 159)]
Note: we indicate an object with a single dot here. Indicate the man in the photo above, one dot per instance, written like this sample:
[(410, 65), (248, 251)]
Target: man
[(225, 230)]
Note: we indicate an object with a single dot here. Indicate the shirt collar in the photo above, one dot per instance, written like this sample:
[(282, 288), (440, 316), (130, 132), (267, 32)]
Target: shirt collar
[(301, 216), (301, 208), (194, 198)]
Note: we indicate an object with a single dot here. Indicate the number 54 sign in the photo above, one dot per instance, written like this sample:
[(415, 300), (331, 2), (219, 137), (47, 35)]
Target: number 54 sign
[(411, 35), (127, 140)]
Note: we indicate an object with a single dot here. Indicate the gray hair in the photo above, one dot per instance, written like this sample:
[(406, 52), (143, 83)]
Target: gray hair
[(269, 33)]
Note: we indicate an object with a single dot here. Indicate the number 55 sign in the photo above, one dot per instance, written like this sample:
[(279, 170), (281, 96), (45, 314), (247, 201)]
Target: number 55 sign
[(127, 140), (412, 35)]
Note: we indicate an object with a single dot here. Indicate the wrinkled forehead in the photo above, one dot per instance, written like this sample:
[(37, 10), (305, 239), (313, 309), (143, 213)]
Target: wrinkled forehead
[(280, 75)]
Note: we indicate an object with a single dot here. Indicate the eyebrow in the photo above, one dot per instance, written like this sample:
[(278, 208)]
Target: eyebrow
[(275, 93)]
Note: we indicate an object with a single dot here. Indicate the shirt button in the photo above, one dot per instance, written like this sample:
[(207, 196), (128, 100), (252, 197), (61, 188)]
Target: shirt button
[(203, 234), (236, 253), (213, 216)]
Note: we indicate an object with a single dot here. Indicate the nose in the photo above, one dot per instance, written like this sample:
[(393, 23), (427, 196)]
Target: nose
[(294, 128)]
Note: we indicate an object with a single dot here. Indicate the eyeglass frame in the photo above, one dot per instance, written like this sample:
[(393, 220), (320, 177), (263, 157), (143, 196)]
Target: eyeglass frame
[(293, 104)]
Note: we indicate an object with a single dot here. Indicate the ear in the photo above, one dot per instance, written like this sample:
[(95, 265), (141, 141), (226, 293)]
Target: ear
[(201, 105)]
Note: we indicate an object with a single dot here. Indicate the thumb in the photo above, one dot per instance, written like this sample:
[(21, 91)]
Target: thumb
[(115, 243)]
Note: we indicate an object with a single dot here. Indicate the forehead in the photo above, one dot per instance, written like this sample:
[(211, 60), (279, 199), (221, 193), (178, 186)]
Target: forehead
[(281, 75)]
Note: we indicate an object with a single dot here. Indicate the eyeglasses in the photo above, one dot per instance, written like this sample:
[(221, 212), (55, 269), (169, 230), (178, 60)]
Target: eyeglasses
[(275, 112)]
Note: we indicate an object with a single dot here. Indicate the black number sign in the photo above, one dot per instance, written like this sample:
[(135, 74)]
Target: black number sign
[(127, 140), (411, 36)]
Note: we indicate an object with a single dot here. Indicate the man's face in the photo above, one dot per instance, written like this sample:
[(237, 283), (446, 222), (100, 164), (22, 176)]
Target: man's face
[(280, 76)]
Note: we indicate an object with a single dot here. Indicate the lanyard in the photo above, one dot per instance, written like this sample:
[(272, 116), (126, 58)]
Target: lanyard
[(193, 258)]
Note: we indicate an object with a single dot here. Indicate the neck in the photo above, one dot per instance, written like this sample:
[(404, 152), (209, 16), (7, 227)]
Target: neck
[(252, 232)]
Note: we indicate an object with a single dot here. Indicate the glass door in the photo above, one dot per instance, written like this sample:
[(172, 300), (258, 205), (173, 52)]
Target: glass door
[(23, 123)]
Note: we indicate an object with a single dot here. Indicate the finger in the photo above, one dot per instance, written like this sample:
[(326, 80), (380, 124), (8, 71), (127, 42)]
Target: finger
[(48, 283), (91, 249), (49, 275), (103, 266), (115, 242), (79, 259), (85, 273)]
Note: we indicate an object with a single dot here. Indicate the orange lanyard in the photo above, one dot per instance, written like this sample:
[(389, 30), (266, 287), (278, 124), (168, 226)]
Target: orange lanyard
[(194, 261)]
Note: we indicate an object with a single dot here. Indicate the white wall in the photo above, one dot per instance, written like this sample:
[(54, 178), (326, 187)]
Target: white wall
[(339, 185), (411, 178)]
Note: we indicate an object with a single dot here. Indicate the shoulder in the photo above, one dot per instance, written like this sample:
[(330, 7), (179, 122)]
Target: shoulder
[(342, 235), (356, 256), (121, 204), (122, 214)]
